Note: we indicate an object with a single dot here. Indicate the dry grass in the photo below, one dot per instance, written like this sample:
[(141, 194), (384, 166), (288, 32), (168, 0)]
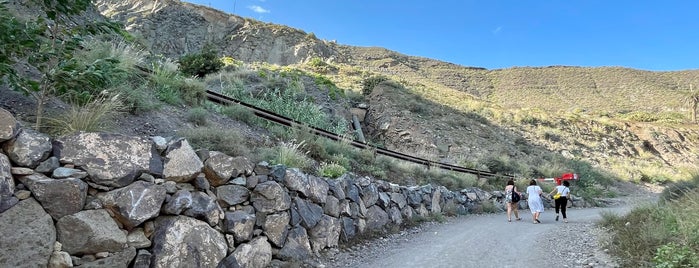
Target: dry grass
[(95, 115), (658, 235)]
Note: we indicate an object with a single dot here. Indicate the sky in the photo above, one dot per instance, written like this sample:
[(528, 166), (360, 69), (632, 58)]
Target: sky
[(642, 34)]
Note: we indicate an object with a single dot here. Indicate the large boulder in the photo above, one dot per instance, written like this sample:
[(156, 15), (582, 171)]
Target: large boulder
[(90, 232), (181, 162), (270, 197), (9, 127), (27, 235), (111, 160), (28, 148), (182, 241), (60, 197), (137, 203), (256, 254)]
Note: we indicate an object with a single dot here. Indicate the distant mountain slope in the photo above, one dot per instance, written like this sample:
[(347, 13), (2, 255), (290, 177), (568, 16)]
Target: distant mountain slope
[(455, 113)]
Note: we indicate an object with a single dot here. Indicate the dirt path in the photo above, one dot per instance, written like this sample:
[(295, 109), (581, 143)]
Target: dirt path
[(488, 241)]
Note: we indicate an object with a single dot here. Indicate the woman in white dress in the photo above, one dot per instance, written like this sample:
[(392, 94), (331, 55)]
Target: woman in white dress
[(536, 205)]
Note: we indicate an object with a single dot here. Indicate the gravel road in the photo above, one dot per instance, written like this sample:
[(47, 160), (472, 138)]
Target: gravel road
[(486, 241)]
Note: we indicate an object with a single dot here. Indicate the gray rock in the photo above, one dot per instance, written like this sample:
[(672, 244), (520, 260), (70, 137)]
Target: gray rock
[(276, 228), (63, 173), (370, 194), (262, 169), (219, 168), (111, 160), (181, 241), (349, 229), (181, 162), (317, 189), (205, 207), (270, 197), (9, 127), (90, 232), (178, 203), (22, 228), (332, 206), (309, 212), (296, 247), (399, 199), (7, 182), (257, 253), (394, 215), (28, 148), (325, 234), (137, 202), (120, 259), (58, 197), (278, 173), (48, 166), (142, 259), (137, 239), (231, 195), (384, 200), (336, 188), (376, 218), (296, 180), (240, 224), (60, 259)]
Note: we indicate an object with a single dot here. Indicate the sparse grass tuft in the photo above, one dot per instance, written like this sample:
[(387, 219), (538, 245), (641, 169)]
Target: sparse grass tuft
[(198, 116), (228, 141), (95, 115)]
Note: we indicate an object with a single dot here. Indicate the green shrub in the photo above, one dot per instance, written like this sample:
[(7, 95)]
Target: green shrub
[(193, 92), (227, 141), (241, 113), (641, 117), (202, 63), (371, 82), (198, 116), (294, 106), (672, 255), (332, 170)]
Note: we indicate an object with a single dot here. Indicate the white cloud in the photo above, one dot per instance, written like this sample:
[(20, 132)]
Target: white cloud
[(258, 9)]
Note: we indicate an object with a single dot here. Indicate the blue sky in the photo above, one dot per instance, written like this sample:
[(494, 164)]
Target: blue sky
[(641, 34)]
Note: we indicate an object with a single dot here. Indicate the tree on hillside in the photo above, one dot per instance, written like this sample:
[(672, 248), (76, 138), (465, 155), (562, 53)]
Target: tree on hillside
[(40, 44), (691, 97)]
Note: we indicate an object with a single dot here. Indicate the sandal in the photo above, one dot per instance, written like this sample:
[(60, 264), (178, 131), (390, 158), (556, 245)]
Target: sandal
[(519, 219)]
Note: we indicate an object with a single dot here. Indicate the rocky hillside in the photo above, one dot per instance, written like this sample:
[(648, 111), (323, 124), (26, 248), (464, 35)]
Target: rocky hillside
[(461, 114)]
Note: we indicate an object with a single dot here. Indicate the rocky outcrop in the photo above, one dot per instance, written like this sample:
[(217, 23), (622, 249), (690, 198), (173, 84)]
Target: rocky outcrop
[(175, 28), (116, 203)]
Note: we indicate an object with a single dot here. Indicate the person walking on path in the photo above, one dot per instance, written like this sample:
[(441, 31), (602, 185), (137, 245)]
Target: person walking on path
[(536, 205), (562, 202), (512, 206)]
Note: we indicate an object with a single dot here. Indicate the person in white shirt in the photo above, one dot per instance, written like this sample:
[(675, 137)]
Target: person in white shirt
[(561, 202), (536, 205)]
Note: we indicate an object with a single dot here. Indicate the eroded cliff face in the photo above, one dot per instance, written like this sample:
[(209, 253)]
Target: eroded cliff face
[(174, 28)]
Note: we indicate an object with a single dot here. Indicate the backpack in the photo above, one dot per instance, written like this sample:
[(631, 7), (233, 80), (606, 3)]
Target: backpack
[(515, 196)]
